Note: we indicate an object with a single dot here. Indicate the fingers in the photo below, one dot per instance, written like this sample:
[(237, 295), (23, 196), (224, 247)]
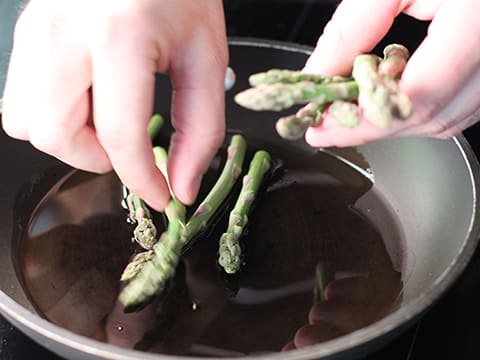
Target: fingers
[(441, 76), (39, 105), (197, 114), (356, 27), (123, 78)]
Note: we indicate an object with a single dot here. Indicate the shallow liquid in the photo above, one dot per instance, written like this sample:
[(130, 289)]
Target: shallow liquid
[(78, 242)]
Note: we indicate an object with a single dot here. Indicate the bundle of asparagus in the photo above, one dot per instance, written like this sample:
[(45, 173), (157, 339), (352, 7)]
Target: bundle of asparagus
[(149, 271), (371, 93)]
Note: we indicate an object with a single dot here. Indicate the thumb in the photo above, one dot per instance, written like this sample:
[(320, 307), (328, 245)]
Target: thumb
[(355, 28)]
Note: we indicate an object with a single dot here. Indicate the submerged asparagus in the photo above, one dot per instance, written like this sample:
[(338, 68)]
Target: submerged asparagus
[(229, 249), (148, 275), (154, 273)]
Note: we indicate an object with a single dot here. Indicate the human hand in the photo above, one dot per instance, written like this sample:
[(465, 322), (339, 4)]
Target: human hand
[(442, 77), (80, 87)]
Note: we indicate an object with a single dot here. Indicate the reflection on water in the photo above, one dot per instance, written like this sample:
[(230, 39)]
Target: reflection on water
[(79, 242)]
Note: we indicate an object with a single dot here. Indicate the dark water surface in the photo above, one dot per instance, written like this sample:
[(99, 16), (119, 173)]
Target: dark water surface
[(311, 212)]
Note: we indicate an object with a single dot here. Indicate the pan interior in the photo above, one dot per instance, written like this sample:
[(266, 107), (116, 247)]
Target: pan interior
[(313, 218)]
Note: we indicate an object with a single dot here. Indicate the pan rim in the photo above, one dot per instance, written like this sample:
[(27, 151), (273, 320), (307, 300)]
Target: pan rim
[(16, 313)]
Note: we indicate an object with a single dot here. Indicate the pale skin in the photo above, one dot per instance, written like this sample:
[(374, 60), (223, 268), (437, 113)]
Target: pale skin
[(442, 77), (85, 72), (65, 48)]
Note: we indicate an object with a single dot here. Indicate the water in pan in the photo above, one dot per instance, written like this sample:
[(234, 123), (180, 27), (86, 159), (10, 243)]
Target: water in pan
[(78, 243)]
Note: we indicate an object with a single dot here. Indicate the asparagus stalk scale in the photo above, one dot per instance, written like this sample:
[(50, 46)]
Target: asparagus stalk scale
[(229, 249)]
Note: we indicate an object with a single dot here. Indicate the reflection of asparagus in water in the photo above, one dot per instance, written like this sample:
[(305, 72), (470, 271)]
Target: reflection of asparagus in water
[(229, 249), (149, 275), (322, 278), (145, 232)]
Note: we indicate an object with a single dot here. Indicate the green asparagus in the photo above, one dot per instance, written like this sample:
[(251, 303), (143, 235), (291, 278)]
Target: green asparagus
[(373, 86), (154, 273), (291, 76), (136, 264), (151, 271), (346, 113), (145, 233), (279, 96), (374, 96), (230, 173), (293, 127), (229, 248)]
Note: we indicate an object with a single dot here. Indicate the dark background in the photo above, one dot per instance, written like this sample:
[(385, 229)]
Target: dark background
[(450, 329)]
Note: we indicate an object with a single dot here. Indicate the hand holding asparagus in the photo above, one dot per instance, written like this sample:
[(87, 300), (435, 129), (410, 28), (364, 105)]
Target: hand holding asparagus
[(372, 93)]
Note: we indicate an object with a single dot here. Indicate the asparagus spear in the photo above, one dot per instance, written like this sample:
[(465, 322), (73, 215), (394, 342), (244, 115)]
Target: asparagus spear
[(279, 96), (374, 97), (150, 276), (145, 233), (149, 273), (391, 68), (293, 127), (346, 113), (154, 273), (395, 60), (230, 173), (136, 264), (155, 124), (290, 76), (229, 249), (379, 96)]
